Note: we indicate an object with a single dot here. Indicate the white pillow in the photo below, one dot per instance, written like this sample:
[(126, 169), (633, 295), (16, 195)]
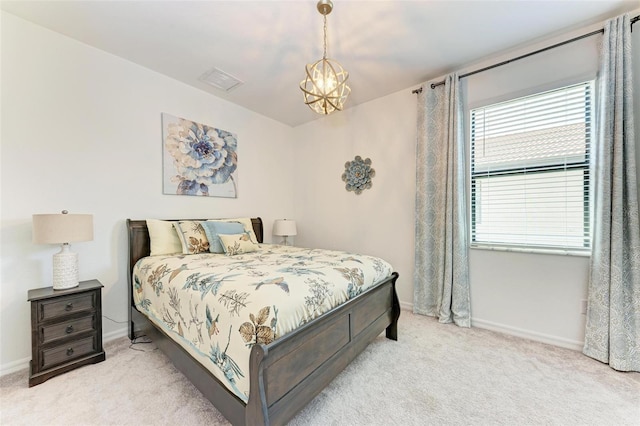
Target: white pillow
[(237, 244), (163, 237)]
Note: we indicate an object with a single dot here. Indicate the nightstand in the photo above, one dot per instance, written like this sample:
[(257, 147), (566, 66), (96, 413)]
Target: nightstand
[(66, 329)]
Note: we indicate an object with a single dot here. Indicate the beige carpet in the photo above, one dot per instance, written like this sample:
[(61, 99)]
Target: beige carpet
[(434, 375)]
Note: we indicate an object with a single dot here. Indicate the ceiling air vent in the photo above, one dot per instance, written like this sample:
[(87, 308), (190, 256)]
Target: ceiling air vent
[(220, 79)]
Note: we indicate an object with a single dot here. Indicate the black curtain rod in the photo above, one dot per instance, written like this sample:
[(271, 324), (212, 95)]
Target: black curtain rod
[(440, 83)]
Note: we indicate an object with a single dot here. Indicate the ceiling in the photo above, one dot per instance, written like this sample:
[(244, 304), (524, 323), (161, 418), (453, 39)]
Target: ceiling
[(385, 45)]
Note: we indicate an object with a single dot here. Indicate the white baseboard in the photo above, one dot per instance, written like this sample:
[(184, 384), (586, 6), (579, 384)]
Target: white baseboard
[(12, 367), (21, 364), (116, 334), (528, 334), (515, 331), (406, 306)]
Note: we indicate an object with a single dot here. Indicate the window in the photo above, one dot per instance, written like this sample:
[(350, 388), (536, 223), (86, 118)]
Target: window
[(530, 170)]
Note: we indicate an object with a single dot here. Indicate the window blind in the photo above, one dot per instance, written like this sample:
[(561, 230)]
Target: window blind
[(530, 170)]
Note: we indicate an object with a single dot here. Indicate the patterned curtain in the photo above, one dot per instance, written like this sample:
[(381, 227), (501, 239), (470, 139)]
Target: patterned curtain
[(613, 316), (441, 277)]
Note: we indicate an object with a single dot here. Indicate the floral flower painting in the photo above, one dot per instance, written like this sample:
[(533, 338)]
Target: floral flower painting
[(198, 159)]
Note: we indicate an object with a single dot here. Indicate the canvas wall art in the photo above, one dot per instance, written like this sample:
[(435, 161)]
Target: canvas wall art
[(198, 159)]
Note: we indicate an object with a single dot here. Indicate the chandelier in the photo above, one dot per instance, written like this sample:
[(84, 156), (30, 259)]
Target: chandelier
[(325, 86)]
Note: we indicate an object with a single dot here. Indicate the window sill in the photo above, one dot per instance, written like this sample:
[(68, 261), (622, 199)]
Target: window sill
[(561, 252)]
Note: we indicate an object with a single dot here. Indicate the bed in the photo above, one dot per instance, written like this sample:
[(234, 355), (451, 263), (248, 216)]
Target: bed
[(283, 374)]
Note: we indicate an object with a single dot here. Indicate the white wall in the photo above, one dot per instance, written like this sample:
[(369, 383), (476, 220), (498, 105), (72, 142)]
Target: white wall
[(380, 220), (532, 295), (81, 130)]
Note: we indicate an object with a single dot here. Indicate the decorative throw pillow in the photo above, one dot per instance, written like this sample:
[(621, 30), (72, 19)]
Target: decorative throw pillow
[(213, 229), (192, 237), (163, 237), (245, 221), (237, 244)]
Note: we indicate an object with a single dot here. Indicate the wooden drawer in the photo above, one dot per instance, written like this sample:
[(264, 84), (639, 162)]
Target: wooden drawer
[(66, 329), (49, 333), (68, 352), (54, 308)]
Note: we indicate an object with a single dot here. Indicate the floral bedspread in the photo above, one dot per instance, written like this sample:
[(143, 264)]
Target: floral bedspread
[(217, 307)]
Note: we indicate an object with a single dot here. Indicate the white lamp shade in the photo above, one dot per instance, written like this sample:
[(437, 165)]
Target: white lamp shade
[(284, 228), (62, 228)]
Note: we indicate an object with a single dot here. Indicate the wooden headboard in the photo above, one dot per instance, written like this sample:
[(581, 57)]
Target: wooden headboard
[(140, 246)]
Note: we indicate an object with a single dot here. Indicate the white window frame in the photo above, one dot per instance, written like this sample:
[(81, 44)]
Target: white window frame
[(582, 163)]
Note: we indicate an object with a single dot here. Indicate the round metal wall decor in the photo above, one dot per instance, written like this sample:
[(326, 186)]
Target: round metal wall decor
[(358, 174)]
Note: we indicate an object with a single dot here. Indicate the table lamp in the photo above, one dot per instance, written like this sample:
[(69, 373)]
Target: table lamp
[(284, 228), (63, 229)]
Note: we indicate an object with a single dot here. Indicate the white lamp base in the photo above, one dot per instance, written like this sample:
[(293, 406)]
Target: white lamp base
[(65, 269)]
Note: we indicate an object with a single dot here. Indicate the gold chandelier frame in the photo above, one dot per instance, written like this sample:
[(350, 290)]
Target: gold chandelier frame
[(325, 87)]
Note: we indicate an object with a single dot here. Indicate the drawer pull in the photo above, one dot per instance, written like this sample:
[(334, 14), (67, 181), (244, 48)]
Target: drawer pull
[(68, 307), (69, 351), (69, 329)]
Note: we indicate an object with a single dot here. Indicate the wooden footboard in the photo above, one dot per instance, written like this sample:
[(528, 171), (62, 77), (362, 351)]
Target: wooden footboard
[(288, 373), (291, 371)]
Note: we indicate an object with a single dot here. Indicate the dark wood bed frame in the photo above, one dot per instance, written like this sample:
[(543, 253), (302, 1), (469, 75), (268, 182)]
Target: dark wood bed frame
[(288, 373)]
